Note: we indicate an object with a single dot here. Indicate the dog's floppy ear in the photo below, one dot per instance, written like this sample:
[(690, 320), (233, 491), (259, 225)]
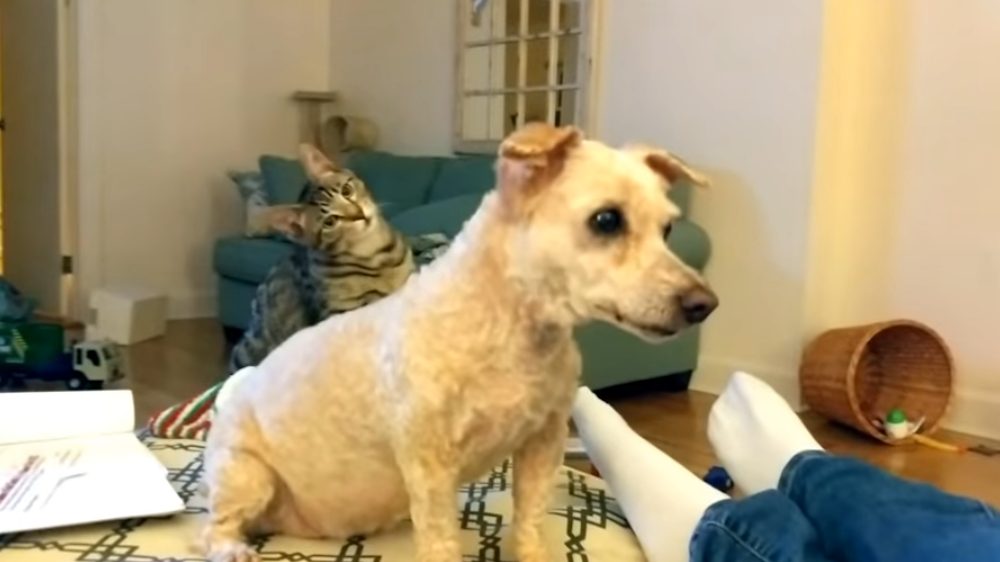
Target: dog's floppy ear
[(532, 155), (535, 150), (316, 163), (673, 168)]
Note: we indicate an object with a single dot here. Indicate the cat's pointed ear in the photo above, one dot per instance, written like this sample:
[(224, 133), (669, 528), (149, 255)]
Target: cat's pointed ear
[(316, 164), (296, 222)]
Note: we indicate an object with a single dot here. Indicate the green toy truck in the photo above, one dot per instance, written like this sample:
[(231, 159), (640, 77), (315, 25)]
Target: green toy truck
[(35, 350)]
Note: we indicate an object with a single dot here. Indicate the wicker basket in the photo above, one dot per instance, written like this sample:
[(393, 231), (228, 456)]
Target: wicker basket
[(854, 375)]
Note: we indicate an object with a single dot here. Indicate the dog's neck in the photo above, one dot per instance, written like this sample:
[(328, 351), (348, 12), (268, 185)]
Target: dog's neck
[(483, 264)]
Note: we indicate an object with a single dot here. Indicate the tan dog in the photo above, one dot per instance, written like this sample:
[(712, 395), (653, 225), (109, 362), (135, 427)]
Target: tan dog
[(378, 415)]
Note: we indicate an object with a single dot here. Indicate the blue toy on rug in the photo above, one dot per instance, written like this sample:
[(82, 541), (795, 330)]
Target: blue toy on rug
[(719, 479)]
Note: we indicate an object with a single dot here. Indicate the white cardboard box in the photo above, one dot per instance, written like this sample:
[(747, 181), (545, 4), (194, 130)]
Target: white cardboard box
[(126, 315)]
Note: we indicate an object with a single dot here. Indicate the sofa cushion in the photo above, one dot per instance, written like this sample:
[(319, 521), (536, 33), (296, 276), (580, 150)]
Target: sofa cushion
[(284, 179), (249, 259), (463, 175), (446, 217), (681, 196), (397, 182), (690, 243)]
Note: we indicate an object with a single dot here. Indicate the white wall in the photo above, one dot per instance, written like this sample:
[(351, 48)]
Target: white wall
[(946, 259), (171, 94), (852, 143), (907, 225), (393, 62), (732, 86)]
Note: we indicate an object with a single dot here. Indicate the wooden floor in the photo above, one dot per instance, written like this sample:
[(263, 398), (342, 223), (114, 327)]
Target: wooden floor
[(192, 356)]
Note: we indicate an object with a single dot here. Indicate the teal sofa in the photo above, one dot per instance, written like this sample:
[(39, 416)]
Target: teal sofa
[(421, 195)]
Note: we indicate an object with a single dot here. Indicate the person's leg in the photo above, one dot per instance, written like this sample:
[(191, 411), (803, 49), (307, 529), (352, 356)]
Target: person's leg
[(867, 514), (754, 432), (661, 499), (860, 512), (675, 515), (763, 527)]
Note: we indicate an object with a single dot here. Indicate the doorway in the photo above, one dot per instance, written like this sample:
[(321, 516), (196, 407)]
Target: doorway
[(34, 212)]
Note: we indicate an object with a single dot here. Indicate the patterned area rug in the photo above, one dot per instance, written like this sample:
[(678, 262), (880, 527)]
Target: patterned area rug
[(584, 524)]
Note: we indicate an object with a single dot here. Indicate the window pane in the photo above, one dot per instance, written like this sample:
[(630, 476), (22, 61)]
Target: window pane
[(535, 106), (512, 17), (477, 68), (569, 14), (499, 17), (497, 128), (539, 13), (569, 60), (566, 102), (510, 57), (538, 16), (538, 62), (475, 118), (510, 113)]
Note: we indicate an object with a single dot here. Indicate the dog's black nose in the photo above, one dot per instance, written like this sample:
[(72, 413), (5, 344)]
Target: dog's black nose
[(697, 304)]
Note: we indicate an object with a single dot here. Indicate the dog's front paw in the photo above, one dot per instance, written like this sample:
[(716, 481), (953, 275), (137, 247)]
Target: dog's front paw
[(232, 551), (532, 549)]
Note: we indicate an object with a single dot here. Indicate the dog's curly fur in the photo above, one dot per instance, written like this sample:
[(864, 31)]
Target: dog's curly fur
[(378, 415)]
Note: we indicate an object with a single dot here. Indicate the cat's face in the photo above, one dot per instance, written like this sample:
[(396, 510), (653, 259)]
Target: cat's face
[(336, 208), (338, 205)]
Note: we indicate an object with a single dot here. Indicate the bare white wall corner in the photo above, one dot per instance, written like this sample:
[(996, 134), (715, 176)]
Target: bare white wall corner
[(713, 374), (976, 413)]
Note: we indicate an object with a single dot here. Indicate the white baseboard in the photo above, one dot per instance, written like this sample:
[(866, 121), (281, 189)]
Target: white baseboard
[(975, 413), (713, 374), (198, 305)]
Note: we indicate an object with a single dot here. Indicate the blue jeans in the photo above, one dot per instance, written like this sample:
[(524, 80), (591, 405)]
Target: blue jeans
[(830, 508)]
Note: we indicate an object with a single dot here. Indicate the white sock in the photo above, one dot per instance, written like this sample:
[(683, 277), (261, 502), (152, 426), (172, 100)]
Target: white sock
[(663, 501), (755, 433)]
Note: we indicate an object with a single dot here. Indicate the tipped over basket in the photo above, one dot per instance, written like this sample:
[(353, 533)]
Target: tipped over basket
[(856, 375)]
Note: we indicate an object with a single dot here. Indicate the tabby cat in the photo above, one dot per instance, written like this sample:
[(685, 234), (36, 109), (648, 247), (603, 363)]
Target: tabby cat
[(347, 255)]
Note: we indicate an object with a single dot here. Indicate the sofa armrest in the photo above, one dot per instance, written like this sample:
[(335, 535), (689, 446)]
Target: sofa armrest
[(690, 242)]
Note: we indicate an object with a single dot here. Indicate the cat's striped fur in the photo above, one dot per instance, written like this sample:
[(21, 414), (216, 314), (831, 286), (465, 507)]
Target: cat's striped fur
[(347, 256)]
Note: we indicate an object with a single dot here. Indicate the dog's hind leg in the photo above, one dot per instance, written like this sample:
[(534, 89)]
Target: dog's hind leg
[(242, 488)]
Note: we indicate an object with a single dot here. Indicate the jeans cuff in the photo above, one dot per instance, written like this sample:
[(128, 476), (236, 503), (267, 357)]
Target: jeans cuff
[(714, 515), (791, 469)]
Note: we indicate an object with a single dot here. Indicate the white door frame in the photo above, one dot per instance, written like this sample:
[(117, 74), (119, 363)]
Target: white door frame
[(56, 146)]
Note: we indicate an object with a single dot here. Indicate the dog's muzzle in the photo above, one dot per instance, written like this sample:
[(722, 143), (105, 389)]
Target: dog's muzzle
[(697, 304)]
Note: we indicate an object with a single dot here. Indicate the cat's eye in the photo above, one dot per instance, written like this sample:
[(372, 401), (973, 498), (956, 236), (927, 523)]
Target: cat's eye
[(607, 222), (347, 190), (329, 221)]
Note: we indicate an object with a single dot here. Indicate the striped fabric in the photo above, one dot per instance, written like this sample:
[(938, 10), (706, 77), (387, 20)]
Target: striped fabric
[(190, 419)]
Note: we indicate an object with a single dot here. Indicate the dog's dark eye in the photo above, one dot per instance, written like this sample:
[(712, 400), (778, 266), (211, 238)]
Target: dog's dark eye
[(667, 230), (607, 222)]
